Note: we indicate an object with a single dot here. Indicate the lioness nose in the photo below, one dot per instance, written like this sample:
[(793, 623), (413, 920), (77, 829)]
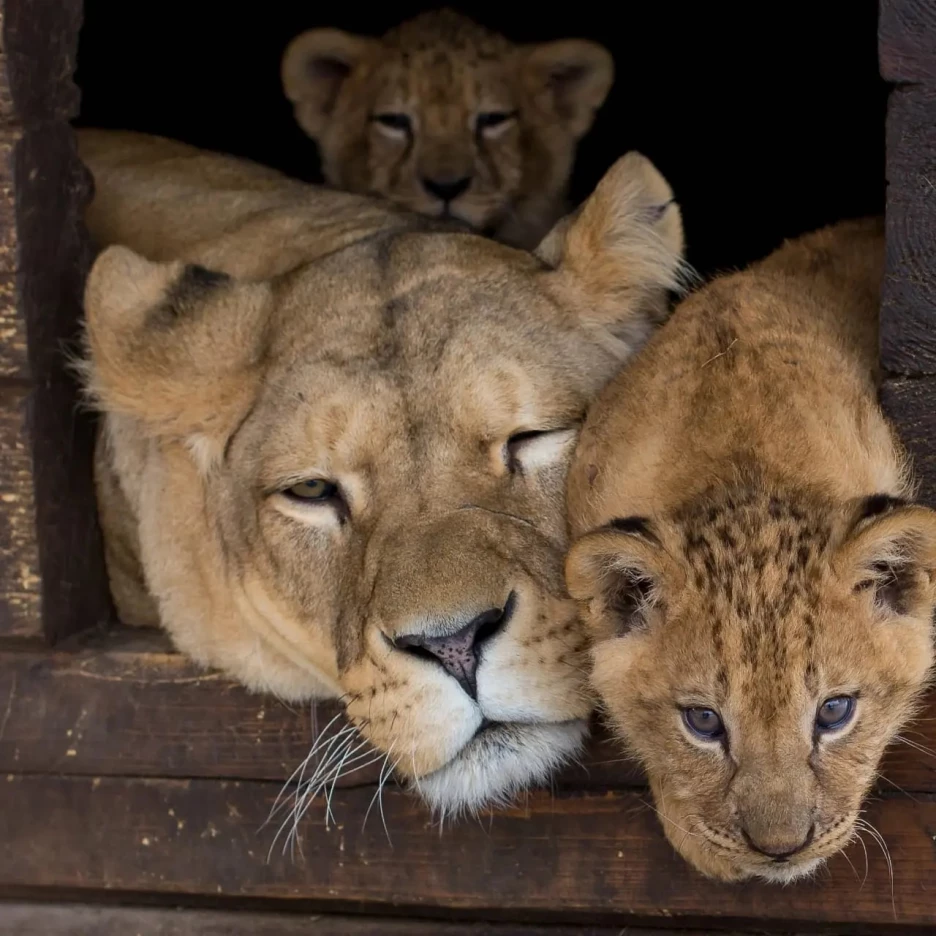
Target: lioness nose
[(459, 653), (777, 847), (446, 189)]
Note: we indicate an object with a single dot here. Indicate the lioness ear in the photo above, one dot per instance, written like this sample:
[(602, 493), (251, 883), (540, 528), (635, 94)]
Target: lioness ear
[(176, 346), (617, 574), (622, 251), (569, 78), (890, 551), (314, 67)]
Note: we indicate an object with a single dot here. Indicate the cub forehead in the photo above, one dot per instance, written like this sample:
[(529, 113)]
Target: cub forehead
[(446, 34)]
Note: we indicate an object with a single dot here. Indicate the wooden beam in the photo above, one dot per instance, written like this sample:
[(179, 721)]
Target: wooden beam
[(19, 554), (573, 858), (906, 39), (123, 712), (907, 49), (41, 919), (44, 256)]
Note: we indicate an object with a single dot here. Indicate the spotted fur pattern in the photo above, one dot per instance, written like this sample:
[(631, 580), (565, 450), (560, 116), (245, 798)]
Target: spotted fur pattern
[(448, 118), (747, 548)]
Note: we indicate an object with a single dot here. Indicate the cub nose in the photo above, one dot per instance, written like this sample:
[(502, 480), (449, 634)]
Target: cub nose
[(460, 652), (446, 189), (778, 848)]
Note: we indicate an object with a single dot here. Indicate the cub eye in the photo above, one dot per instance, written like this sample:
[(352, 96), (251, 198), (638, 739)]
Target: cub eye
[(704, 722), (313, 489), (399, 123), (835, 713), (492, 119)]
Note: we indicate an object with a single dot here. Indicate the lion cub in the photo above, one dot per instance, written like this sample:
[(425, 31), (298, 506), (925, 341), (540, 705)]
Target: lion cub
[(758, 588), (450, 119)]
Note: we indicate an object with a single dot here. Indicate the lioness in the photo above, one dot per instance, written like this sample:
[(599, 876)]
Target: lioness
[(448, 118), (335, 443), (758, 586)]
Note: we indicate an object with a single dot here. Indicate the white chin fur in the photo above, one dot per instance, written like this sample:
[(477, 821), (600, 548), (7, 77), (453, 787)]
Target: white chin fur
[(493, 768), (787, 873)]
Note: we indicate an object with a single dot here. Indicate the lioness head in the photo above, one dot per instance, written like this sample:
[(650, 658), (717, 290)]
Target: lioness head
[(349, 479), (758, 651), (450, 119)]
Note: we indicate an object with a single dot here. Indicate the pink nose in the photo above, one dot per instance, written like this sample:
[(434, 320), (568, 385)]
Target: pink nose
[(460, 652)]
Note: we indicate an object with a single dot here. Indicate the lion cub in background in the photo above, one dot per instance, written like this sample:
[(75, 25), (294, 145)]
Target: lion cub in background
[(450, 119), (759, 590)]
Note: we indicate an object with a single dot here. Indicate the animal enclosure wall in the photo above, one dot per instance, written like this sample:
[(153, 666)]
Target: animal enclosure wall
[(129, 776), (766, 121)]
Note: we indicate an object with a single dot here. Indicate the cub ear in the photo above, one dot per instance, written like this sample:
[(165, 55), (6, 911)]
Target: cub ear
[(315, 65), (890, 550), (176, 346), (621, 252), (569, 79), (619, 573)]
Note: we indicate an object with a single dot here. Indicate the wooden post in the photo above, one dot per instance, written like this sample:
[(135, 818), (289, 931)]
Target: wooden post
[(52, 579), (907, 43)]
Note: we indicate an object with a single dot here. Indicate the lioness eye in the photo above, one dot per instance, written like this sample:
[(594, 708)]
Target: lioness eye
[(313, 489), (704, 722), (399, 122), (518, 441), (491, 119), (835, 713)]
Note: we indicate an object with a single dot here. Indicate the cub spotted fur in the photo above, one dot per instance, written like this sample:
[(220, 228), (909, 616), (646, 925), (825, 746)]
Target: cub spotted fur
[(335, 441), (448, 118), (759, 588)]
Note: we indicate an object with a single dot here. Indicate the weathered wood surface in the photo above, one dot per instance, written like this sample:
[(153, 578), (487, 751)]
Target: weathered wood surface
[(19, 557), (32, 919), (906, 40), (908, 311), (588, 857), (907, 49), (911, 404), (127, 713), (44, 256)]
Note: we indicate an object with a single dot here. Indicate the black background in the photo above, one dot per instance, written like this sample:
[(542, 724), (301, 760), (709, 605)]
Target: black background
[(767, 118)]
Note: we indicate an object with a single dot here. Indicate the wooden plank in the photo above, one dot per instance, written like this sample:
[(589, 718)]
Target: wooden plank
[(911, 404), (39, 919), (908, 309), (122, 712), (907, 41), (44, 256), (13, 362), (51, 190), (570, 858), (19, 558)]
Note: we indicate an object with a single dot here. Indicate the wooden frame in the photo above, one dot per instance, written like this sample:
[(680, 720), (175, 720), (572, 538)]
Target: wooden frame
[(127, 773)]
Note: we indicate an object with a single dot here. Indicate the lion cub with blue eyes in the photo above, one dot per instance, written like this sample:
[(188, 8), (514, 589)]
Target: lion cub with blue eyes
[(758, 588)]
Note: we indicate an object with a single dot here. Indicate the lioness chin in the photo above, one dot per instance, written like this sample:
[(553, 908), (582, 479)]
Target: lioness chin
[(335, 441)]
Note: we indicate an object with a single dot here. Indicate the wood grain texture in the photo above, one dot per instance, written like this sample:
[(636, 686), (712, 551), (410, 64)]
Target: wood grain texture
[(907, 41), (911, 404), (129, 713), (44, 253), (19, 558), (908, 310), (596, 857), (139, 709), (32, 919)]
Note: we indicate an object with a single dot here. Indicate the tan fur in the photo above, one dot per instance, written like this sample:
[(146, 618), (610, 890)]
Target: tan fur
[(343, 340), (442, 72), (727, 556)]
